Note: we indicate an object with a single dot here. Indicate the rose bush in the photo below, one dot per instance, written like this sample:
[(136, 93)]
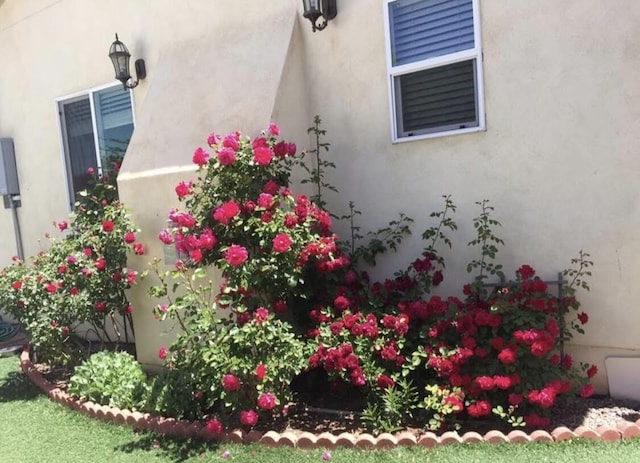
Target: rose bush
[(80, 277), (497, 351)]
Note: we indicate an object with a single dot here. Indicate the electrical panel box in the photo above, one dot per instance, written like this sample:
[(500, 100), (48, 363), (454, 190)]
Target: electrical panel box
[(8, 171)]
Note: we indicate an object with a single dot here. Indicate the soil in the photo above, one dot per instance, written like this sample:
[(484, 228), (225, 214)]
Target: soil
[(319, 413)]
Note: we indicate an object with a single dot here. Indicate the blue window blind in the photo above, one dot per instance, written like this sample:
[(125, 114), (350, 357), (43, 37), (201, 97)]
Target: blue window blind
[(422, 29), (114, 121)]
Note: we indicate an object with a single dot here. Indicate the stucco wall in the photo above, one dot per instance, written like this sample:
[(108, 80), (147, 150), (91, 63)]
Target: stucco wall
[(558, 159)]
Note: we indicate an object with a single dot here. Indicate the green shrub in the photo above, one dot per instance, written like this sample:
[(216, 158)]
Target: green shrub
[(110, 378)]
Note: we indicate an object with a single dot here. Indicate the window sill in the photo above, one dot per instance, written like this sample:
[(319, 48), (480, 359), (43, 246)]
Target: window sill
[(427, 136)]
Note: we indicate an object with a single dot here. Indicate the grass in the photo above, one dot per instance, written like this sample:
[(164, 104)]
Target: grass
[(33, 429)]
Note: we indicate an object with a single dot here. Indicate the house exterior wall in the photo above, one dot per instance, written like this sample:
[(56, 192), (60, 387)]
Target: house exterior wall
[(557, 159)]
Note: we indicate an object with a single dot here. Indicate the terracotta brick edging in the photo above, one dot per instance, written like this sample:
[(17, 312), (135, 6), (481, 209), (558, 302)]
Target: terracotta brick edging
[(307, 440)]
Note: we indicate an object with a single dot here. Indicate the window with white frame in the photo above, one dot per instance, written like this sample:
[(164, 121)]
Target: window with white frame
[(434, 60), (96, 127)]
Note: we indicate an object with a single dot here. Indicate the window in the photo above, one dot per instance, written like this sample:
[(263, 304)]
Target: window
[(96, 127), (435, 67)]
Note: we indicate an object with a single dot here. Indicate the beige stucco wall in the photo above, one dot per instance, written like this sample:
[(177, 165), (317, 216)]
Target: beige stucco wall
[(558, 159)]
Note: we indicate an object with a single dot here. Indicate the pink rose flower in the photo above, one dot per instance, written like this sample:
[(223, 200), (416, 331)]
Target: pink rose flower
[(62, 225), (200, 157), (262, 156), (265, 200), (281, 243), (231, 141), (165, 236), (183, 189), (213, 139), (226, 157), (261, 315), (236, 255), (162, 353), (129, 237), (274, 129)]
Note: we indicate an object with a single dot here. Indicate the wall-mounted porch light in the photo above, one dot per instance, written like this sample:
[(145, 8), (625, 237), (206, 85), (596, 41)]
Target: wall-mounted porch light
[(316, 9), (120, 55)]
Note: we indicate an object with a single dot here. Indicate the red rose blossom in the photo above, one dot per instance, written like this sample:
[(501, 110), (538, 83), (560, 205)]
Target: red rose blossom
[(108, 226), (138, 249), (341, 303), (226, 212), (455, 403), (384, 382), (17, 285), (129, 237), (214, 427), (583, 317), (62, 225), (507, 356), (230, 383), (261, 372), (586, 391), (485, 383), (267, 401), (592, 371), (162, 353), (248, 418), (525, 272), (479, 409)]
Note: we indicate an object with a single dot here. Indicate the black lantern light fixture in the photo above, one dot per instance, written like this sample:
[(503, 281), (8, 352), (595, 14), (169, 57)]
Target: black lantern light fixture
[(120, 55), (316, 9)]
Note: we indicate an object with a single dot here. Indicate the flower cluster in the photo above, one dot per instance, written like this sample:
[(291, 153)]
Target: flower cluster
[(242, 217)]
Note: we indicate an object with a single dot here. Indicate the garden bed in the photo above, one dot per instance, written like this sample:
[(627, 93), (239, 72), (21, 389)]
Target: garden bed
[(597, 418)]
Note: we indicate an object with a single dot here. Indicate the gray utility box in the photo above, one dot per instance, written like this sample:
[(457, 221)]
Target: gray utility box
[(8, 171)]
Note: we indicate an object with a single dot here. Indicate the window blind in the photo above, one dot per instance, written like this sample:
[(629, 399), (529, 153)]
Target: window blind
[(437, 98), (422, 29), (113, 108)]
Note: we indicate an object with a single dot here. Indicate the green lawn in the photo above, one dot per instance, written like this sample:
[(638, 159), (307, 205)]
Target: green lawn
[(33, 429)]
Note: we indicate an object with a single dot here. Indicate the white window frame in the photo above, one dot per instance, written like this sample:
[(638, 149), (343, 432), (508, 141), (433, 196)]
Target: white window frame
[(430, 63), (62, 133)]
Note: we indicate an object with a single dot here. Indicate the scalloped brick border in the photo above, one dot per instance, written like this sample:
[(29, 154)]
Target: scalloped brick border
[(307, 440)]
